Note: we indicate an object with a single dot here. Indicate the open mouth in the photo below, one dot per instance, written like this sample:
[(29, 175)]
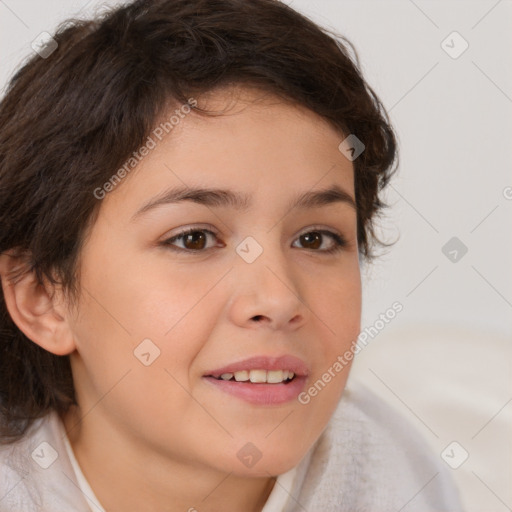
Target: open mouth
[(261, 380), (258, 376)]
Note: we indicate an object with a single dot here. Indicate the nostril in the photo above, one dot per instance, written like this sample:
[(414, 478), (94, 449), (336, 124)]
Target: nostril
[(257, 318)]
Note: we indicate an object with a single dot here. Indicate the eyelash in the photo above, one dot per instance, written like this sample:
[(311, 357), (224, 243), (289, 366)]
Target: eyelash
[(340, 241)]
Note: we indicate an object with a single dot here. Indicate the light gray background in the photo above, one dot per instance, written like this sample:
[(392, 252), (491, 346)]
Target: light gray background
[(445, 360)]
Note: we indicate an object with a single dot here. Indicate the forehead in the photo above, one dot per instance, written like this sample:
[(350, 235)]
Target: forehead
[(257, 143)]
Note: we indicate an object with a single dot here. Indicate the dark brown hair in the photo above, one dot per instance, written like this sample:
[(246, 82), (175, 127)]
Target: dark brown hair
[(70, 119)]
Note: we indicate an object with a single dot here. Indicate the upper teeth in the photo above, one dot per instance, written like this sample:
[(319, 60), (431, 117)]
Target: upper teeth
[(270, 376)]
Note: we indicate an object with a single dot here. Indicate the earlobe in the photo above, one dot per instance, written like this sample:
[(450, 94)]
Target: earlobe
[(34, 308)]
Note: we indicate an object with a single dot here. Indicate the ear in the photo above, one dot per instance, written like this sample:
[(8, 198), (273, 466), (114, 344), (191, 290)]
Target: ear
[(38, 310)]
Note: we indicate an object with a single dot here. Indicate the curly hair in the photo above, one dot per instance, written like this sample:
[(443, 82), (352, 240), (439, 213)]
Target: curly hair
[(70, 119)]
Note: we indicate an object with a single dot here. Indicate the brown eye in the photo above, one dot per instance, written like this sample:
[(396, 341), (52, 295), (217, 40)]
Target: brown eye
[(196, 240), (193, 240), (314, 240)]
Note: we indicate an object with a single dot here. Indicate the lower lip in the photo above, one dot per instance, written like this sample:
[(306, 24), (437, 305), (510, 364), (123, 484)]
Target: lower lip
[(261, 393)]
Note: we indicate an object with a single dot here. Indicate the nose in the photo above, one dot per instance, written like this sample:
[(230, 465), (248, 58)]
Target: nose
[(267, 293)]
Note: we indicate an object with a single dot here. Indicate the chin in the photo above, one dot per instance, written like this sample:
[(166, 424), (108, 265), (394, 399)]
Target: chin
[(269, 461)]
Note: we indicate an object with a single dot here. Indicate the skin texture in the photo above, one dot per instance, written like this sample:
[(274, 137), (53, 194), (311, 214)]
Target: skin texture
[(159, 437)]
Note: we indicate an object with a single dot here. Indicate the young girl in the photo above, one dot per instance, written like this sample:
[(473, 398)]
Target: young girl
[(187, 192)]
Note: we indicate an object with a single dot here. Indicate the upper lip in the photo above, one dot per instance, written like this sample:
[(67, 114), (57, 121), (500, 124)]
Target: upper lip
[(285, 362)]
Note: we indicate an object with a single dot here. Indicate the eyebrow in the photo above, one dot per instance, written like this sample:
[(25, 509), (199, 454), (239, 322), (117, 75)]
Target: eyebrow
[(216, 197)]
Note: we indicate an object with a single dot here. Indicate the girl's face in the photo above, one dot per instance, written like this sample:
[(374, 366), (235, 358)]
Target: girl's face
[(162, 314)]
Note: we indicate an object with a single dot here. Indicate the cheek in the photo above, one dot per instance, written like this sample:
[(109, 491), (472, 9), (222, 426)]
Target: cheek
[(128, 366), (124, 308), (336, 304)]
